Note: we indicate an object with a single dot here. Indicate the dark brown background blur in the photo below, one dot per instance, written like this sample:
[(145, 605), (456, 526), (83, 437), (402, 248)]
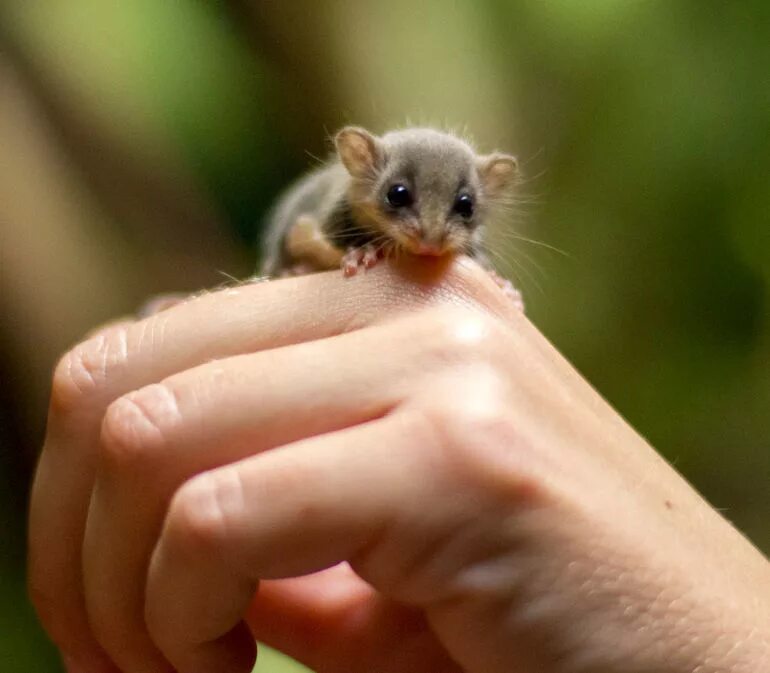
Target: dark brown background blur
[(141, 142)]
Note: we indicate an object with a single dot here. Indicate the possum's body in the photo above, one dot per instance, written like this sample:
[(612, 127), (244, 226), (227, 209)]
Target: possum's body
[(321, 194)]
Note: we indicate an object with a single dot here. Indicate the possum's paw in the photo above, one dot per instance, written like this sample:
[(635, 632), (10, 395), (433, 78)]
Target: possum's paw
[(307, 242), (509, 290), (365, 256)]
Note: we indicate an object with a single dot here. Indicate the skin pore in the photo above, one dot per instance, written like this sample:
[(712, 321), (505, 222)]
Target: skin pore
[(392, 473)]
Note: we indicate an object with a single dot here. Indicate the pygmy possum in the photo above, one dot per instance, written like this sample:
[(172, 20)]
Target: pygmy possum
[(417, 191)]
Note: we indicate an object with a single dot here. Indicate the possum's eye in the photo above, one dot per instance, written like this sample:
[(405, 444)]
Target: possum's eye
[(399, 196), (464, 206)]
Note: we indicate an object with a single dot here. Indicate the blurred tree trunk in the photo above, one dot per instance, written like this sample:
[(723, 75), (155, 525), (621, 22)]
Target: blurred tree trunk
[(63, 177)]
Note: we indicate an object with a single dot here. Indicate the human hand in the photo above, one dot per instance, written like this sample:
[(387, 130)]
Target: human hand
[(496, 513)]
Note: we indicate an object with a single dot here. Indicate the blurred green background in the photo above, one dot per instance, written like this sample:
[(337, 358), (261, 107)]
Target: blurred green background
[(141, 142)]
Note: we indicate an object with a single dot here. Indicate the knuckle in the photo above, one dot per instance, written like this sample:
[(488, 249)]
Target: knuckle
[(484, 419), (199, 513), (473, 427), (136, 427), (476, 405), (84, 372), (464, 334)]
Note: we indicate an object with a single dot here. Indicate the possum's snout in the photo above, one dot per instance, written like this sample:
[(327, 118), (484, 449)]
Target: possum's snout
[(430, 249), (427, 241)]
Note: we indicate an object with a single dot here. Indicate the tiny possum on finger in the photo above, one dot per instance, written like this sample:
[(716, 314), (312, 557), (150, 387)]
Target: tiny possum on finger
[(420, 191)]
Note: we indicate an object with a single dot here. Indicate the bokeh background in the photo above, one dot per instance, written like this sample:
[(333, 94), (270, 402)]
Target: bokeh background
[(142, 142)]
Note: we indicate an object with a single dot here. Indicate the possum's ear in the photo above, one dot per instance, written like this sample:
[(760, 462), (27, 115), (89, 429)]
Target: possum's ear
[(359, 151), (498, 173)]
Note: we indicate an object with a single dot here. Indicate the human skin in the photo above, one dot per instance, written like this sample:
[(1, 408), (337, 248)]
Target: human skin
[(464, 500)]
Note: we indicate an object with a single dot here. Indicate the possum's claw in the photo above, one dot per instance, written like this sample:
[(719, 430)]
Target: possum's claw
[(371, 256), (365, 256)]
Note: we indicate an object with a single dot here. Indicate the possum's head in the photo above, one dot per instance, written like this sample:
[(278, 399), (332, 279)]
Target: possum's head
[(426, 190)]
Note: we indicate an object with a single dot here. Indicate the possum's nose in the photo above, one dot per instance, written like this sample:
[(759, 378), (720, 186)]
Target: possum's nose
[(427, 239), (426, 248), (432, 238)]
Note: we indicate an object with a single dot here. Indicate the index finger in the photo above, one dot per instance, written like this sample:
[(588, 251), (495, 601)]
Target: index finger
[(127, 356)]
